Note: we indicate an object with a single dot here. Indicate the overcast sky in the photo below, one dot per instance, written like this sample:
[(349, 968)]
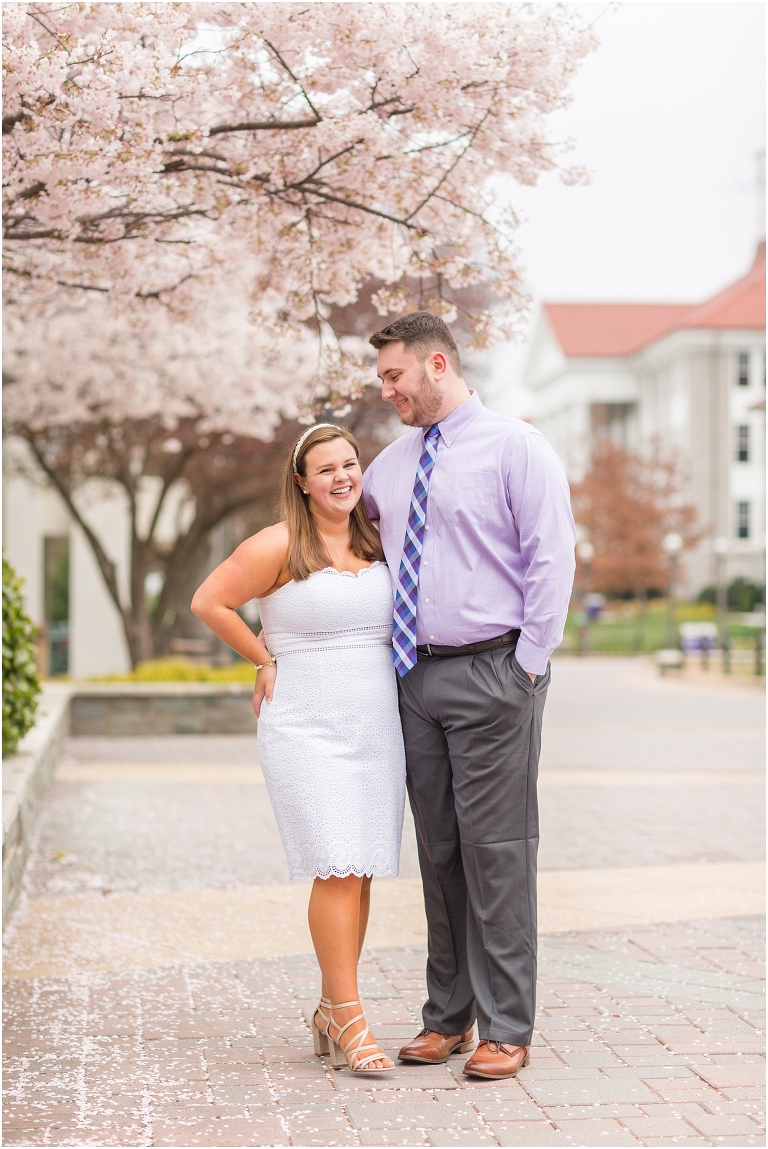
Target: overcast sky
[(668, 114)]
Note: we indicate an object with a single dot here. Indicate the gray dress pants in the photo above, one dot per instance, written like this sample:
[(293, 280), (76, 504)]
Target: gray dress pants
[(472, 728)]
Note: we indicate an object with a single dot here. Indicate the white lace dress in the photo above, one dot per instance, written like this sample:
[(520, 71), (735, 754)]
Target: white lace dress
[(330, 742)]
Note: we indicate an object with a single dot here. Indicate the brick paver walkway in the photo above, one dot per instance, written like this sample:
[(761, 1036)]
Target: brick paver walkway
[(647, 1034), (629, 1048)]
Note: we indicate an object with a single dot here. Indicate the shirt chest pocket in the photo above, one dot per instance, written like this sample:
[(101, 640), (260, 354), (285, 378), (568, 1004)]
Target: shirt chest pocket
[(474, 497)]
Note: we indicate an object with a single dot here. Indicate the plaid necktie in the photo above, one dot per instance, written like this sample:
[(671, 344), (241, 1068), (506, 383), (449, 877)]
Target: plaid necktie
[(404, 626)]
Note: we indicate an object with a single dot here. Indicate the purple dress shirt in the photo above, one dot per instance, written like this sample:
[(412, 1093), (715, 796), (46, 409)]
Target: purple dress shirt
[(499, 537)]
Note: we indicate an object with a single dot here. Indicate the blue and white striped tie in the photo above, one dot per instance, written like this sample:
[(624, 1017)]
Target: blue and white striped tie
[(404, 626)]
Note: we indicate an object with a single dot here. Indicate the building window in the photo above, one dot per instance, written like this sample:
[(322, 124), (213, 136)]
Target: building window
[(742, 443), (742, 520), (56, 584), (614, 422), (743, 369)]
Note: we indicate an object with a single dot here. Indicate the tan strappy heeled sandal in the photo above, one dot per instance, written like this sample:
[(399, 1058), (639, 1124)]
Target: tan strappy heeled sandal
[(320, 1035), (352, 1055)]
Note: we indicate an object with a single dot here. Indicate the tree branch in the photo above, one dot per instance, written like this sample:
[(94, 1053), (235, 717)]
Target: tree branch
[(457, 160), (351, 203), (330, 159), (32, 190), (10, 122), (294, 78), (106, 566), (168, 481), (265, 126), (82, 287), (45, 233)]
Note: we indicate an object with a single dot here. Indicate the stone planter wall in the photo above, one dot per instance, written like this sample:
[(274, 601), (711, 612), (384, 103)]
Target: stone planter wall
[(153, 708)]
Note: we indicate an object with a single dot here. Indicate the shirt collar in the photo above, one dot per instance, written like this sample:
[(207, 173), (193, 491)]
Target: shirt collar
[(452, 425)]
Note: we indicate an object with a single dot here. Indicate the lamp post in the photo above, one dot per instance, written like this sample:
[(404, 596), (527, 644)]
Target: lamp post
[(585, 552), (672, 544), (720, 549)]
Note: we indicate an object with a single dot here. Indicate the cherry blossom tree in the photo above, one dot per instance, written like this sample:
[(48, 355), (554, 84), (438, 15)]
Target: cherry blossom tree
[(195, 196), (149, 147), (179, 425), (182, 428)]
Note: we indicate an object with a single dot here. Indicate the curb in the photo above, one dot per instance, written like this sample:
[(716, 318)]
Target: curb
[(26, 775)]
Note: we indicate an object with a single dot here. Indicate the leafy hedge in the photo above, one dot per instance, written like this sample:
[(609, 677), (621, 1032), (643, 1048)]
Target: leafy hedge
[(20, 682)]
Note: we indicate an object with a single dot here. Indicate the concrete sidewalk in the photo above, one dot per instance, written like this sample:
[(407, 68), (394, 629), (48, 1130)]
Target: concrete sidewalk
[(159, 980)]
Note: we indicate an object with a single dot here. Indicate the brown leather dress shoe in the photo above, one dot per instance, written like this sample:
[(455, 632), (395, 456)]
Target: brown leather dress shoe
[(496, 1059), (434, 1048)]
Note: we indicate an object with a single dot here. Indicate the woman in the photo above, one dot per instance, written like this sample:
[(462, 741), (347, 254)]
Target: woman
[(330, 742)]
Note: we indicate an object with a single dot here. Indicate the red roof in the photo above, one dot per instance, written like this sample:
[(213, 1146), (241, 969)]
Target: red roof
[(588, 330), (741, 305)]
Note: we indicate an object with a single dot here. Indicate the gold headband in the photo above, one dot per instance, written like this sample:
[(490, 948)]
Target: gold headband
[(308, 431)]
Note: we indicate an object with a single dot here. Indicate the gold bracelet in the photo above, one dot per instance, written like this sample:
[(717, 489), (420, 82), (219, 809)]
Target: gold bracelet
[(260, 665)]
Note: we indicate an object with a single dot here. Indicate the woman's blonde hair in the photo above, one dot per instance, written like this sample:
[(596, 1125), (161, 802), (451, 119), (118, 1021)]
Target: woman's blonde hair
[(306, 552)]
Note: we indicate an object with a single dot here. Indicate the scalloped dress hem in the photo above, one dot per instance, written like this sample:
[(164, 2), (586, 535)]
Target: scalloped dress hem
[(338, 872)]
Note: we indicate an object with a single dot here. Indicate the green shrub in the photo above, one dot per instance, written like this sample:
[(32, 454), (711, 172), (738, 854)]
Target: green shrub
[(20, 682), (179, 670), (742, 596)]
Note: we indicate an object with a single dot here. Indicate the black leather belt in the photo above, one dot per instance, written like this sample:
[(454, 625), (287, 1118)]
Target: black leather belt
[(431, 651)]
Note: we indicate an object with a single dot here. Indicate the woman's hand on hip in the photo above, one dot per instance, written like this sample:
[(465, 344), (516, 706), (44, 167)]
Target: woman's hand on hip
[(264, 687)]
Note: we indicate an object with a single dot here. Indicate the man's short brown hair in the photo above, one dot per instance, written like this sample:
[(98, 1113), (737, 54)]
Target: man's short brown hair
[(422, 333)]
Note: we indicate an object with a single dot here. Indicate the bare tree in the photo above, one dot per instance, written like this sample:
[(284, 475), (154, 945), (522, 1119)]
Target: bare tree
[(627, 503)]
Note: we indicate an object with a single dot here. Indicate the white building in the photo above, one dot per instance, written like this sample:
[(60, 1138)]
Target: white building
[(65, 594), (689, 377)]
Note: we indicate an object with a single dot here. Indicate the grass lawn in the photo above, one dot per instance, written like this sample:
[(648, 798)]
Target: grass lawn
[(625, 629)]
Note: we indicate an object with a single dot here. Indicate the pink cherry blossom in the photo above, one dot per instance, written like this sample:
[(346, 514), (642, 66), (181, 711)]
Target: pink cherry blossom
[(193, 190), (151, 148)]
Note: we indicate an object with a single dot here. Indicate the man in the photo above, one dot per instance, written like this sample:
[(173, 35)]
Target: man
[(476, 525)]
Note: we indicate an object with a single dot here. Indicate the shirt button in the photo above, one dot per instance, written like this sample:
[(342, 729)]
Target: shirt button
[(431, 636), (448, 442), (426, 600), (426, 528), (426, 562)]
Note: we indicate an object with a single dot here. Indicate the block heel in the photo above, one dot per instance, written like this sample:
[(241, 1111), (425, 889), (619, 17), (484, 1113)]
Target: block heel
[(338, 1059), (320, 1038)]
